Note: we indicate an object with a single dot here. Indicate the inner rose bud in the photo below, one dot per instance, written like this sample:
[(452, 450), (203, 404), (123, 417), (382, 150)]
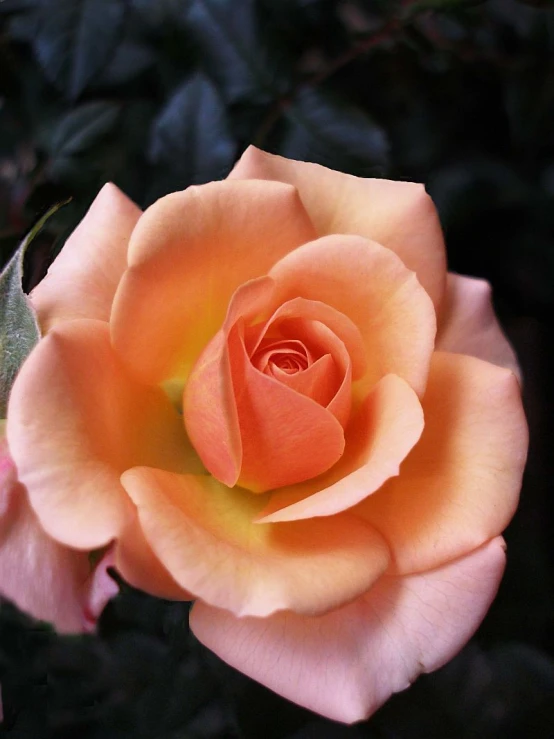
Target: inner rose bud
[(286, 386), (275, 357)]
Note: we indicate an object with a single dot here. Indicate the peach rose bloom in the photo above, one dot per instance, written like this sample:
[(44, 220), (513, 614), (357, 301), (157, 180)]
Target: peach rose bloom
[(270, 395)]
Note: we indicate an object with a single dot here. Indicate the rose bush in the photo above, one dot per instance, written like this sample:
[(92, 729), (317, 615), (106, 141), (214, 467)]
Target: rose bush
[(269, 394)]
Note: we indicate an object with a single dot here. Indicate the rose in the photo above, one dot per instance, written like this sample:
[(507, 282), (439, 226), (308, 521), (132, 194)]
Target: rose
[(335, 503)]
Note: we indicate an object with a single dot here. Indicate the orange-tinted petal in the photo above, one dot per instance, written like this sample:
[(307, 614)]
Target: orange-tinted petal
[(314, 316), (378, 438), (203, 533), (399, 215), (346, 663), (81, 282), (336, 392), (139, 566), (318, 382), (286, 437), (76, 421), (370, 286), (189, 253), (459, 487), (210, 413), (468, 324)]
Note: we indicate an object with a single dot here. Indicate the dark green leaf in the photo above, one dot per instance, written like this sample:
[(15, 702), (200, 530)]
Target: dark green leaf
[(76, 39), (324, 130), (160, 12), (78, 132), (236, 52), (130, 60), (190, 138), (19, 330), (23, 27), (17, 6)]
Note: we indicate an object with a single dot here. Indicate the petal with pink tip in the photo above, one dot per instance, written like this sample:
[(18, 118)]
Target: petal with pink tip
[(203, 534), (82, 281), (86, 421), (38, 574), (99, 588), (399, 215), (468, 324), (460, 485), (187, 256), (346, 663)]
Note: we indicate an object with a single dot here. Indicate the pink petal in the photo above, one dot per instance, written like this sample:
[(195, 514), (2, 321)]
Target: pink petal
[(398, 215), (82, 281), (468, 324), (100, 588), (346, 663), (42, 577)]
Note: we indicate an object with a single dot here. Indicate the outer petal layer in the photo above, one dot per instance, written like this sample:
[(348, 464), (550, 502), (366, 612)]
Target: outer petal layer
[(82, 281), (399, 215), (189, 253), (346, 663), (459, 486), (203, 534), (370, 285), (92, 424), (40, 575), (468, 324)]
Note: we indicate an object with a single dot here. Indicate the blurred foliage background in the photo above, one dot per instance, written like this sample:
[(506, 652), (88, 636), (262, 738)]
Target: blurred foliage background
[(156, 95)]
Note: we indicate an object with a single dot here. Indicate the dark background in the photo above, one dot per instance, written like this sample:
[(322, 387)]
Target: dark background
[(158, 94)]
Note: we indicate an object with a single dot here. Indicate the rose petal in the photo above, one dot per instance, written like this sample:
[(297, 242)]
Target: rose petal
[(379, 437), (288, 314), (319, 382), (93, 422), (100, 588), (39, 575), (286, 437), (140, 567), (187, 256), (333, 388), (460, 485), (345, 664), (399, 215), (370, 286), (81, 282), (468, 324), (209, 406), (203, 533)]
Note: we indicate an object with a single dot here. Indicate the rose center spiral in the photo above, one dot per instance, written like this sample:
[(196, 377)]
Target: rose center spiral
[(289, 356)]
